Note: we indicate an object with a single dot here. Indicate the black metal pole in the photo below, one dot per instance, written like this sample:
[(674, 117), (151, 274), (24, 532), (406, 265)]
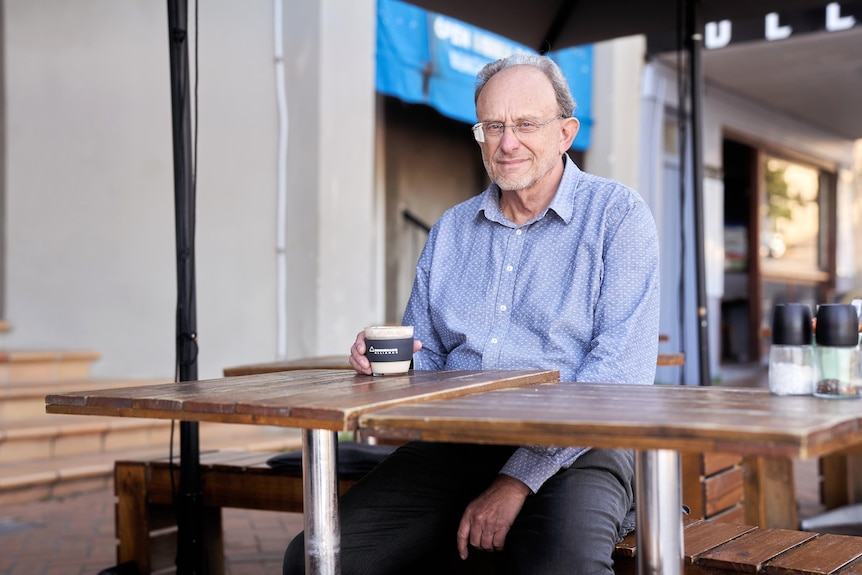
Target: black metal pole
[(694, 45), (190, 554)]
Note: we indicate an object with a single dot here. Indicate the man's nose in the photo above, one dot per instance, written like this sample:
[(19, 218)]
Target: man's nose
[(509, 136)]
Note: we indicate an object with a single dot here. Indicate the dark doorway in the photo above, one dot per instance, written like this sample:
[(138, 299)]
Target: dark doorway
[(738, 307)]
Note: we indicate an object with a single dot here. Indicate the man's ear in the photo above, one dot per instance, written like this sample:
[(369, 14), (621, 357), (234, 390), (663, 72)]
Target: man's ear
[(570, 130)]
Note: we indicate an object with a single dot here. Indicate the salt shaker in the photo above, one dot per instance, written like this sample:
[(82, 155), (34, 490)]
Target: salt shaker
[(791, 357), (836, 334)]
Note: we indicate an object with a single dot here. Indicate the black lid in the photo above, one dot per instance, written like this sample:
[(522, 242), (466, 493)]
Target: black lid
[(791, 324), (837, 325)]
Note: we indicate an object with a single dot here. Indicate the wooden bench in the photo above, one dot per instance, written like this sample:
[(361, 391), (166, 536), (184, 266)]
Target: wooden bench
[(713, 547), (146, 526)]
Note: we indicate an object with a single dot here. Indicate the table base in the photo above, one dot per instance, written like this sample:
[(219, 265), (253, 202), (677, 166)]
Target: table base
[(658, 495)]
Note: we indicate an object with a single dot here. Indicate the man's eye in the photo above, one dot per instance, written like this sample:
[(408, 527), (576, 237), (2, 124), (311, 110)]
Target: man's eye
[(525, 126), (495, 127)]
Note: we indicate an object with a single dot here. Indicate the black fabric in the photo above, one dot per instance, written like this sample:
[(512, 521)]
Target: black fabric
[(353, 459)]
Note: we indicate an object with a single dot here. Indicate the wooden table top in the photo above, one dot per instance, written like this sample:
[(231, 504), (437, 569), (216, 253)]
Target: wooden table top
[(316, 362), (308, 399), (342, 362), (682, 418)]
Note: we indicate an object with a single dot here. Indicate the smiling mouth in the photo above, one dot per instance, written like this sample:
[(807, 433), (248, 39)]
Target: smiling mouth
[(512, 161)]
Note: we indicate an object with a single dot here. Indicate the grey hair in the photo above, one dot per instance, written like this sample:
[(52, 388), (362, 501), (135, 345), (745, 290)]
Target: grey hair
[(548, 67)]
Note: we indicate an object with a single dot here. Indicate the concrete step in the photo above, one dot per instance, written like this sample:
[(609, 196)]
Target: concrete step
[(51, 436), (62, 475), (25, 400), (40, 366)]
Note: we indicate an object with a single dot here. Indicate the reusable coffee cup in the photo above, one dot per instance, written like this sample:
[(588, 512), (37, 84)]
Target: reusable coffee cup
[(389, 348)]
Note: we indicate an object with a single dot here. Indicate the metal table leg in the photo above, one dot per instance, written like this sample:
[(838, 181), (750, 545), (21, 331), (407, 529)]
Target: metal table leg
[(320, 503), (658, 495)]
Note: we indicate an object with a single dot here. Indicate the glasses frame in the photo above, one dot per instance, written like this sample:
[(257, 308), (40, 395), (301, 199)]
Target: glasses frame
[(479, 128)]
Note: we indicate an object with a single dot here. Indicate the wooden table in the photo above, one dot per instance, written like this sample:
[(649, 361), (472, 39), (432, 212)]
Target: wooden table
[(342, 362), (658, 421), (320, 402)]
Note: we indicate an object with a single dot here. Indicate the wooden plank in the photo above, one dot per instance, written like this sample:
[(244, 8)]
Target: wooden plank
[(627, 547), (319, 362), (716, 462), (854, 569), (321, 399), (665, 359), (371, 393), (132, 518), (692, 484), (770, 492), (683, 418), (734, 514), (834, 481), (343, 362), (822, 555), (749, 552), (706, 535), (723, 491)]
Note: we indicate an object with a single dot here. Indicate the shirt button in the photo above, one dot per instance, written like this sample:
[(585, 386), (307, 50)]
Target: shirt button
[(509, 268), (518, 232), (502, 308), (493, 340)]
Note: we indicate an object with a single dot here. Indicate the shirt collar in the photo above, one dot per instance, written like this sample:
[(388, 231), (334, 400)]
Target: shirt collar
[(563, 203)]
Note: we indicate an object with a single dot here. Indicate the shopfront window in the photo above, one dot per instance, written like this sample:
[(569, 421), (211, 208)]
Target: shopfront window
[(790, 221)]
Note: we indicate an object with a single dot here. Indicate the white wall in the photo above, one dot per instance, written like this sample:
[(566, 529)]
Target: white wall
[(89, 190), (332, 227), (617, 68)]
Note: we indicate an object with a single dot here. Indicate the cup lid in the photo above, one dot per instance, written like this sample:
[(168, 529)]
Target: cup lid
[(837, 325), (791, 324)]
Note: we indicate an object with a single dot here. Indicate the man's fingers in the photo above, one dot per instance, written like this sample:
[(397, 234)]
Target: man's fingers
[(486, 541), (463, 535), (499, 540), (358, 361)]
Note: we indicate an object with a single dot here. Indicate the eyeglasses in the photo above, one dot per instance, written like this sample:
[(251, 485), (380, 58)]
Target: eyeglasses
[(484, 130)]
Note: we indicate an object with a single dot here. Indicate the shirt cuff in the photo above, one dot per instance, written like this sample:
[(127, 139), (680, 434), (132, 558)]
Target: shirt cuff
[(534, 465)]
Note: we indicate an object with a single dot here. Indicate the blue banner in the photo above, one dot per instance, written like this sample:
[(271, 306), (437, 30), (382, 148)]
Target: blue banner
[(428, 58)]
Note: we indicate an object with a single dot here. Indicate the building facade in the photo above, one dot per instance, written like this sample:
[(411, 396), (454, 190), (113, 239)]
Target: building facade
[(313, 188)]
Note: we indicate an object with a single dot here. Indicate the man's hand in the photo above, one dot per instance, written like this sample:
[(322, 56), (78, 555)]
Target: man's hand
[(487, 519), (357, 353)]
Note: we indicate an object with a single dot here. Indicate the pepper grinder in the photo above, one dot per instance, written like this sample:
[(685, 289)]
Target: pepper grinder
[(791, 357), (836, 334)]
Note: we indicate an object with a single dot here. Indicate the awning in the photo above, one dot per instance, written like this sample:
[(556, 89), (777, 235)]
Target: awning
[(428, 58)]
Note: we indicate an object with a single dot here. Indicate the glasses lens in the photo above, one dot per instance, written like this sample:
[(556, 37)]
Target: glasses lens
[(494, 128), (526, 127)]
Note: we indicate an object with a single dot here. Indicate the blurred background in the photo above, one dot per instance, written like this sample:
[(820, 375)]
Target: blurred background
[(329, 163)]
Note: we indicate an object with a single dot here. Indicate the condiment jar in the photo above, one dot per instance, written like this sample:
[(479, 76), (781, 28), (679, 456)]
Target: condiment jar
[(791, 357), (836, 333)]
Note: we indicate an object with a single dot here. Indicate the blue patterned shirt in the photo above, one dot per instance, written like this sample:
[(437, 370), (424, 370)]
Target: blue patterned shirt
[(575, 290)]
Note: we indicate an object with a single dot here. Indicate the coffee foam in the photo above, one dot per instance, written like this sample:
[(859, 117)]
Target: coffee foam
[(388, 331)]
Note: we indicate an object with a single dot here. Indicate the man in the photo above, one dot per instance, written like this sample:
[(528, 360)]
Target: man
[(549, 268)]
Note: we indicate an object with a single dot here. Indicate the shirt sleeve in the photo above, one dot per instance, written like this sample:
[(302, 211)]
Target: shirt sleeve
[(534, 465)]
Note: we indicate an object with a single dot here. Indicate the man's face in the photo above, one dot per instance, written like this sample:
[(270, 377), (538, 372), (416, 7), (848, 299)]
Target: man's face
[(518, 161)]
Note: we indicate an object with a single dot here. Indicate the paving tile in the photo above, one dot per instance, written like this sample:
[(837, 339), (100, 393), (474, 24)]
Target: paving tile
[(75, 534)]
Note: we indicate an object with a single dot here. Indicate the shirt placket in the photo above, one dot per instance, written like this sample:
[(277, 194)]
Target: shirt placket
[(505, 297)]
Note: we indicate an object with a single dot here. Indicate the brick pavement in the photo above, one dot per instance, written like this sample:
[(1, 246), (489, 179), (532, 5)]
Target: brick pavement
[(75, 536)]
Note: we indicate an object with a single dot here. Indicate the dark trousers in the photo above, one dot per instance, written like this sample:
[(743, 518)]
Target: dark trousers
[(403, 516)]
